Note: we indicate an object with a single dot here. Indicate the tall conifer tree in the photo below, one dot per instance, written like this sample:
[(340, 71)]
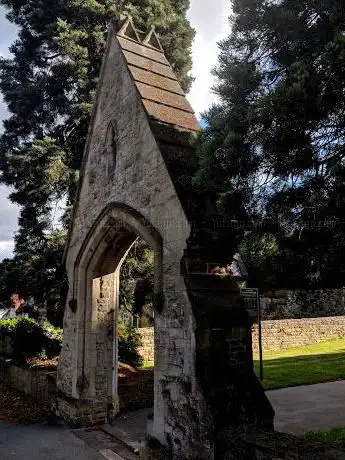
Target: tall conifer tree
[(275, 143), (48, 85)]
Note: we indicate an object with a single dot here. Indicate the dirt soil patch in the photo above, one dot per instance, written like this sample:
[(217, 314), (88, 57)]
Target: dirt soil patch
[(19, 408), (136, 387), (135, 391)]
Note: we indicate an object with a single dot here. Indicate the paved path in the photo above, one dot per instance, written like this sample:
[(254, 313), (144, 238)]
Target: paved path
[(131, 427), (298, 409), (309, 407), (46, 442)]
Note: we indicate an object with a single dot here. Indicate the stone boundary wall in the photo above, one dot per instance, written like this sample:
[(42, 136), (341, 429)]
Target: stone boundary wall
[(38, 383), (148, 344), (289, 304), (276, 334), (290, 333)]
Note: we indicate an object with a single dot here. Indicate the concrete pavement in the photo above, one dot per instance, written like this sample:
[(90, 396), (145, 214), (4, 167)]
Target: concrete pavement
[(309, 407), (48, 442), (42, 442), (298, 410)]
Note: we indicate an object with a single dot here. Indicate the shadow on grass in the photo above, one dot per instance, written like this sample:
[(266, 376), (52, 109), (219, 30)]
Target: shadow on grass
[(302, 370)]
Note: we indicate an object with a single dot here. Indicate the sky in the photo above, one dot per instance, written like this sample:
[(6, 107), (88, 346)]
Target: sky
[(209, 18)]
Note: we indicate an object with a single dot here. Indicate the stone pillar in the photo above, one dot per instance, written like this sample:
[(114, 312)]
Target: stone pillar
[(96, 398), (224, 361), (105, 299)]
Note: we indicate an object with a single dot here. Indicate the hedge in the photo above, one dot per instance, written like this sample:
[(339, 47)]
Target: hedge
[(29, 339)]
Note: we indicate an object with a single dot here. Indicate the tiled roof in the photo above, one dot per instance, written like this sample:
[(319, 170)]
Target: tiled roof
[(161, 93), (171, 116)]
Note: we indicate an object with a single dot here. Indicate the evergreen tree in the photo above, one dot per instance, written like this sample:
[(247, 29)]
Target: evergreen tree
[(275, 143), (137, 282), (49, 84)]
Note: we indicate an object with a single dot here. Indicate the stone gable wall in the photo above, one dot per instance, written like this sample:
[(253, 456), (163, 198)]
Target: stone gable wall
[(142, 183)]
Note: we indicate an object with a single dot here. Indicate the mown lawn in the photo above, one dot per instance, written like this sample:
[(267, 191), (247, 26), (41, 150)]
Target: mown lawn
[(321, 362), (335, 435)]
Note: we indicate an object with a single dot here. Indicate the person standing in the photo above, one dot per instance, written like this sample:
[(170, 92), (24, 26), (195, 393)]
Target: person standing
[(19, 308)]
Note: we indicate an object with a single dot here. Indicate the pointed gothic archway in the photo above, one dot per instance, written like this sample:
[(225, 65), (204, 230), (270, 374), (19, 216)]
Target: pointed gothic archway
[(96, 280)]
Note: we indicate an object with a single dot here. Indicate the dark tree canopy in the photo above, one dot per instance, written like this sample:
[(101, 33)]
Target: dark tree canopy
[(275, 144), (49, 84)]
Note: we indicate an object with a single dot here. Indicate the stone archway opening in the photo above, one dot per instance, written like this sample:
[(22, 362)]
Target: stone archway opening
[(137, 286), (136, 328), (122, 241), (124, 258), (97, 281)]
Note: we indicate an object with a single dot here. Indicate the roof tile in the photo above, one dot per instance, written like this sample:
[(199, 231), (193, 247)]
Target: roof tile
[(171, 115), (164, 97), (156, 80), (145, 63), (142, 50)]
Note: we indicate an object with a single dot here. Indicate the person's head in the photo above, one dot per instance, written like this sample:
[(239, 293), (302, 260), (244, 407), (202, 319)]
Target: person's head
[(17, 299)]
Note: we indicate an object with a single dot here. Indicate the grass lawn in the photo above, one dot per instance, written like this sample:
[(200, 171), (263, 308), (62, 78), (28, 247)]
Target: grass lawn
[(147, 365), (321, 362), (335, 435)]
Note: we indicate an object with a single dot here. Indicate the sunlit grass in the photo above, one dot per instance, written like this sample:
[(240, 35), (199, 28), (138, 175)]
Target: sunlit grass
[(337, 434), (321, 362), (147, 365)]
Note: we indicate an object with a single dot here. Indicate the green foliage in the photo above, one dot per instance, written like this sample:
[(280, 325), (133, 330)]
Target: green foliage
[(129, 341), (37, 271), (30, 339), (273, 147), (136, 280), (48, 85), (52, 331), (335, 435)]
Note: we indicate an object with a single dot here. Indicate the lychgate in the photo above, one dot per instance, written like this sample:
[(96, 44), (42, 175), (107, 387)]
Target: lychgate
[(136, 181)]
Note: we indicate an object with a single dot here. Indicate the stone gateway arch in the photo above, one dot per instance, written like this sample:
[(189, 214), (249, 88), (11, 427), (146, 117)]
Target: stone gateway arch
[(135, 182)]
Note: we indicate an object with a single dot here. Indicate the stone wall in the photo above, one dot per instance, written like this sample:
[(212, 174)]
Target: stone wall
[(276, 335), (286, 304), (38, 383), (289, 333), (147, 337)]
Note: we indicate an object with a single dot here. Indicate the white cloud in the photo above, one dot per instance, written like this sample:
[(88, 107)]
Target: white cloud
[(6, 249), (210, 19)]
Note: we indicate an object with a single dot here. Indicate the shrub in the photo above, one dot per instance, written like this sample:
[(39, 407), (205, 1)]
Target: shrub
[(31, 339), (129, 341)]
